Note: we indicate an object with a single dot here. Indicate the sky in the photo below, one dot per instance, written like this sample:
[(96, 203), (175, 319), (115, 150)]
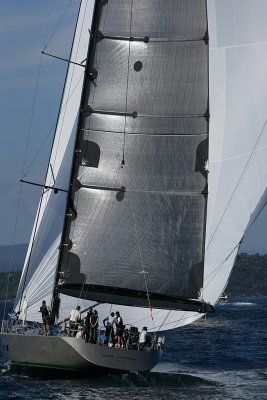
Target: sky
[(31, 87), (29, 110)]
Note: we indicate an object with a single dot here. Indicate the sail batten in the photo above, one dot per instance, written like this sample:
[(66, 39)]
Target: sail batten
[(147, 39), (124, 190)]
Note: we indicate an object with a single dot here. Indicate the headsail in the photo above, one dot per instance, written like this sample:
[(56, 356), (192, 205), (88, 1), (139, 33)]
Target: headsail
[(238, 132), (41, 261)]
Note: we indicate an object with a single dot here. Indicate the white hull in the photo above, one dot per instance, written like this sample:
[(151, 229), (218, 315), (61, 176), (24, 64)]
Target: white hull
[(67, 353)]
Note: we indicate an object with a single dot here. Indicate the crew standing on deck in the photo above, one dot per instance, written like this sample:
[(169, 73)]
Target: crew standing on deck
[(87, 327), (75, 318), (119, 329), (44, 310), (108, 323), (144, 339), (93, 327)]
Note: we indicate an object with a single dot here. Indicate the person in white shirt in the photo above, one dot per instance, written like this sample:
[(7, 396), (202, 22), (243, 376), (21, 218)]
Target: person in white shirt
[(144, 338), (108, 323), (75, 318), (80, 334)]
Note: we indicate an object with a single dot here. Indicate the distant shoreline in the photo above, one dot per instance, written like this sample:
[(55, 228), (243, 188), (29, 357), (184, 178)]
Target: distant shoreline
[(248, 278)]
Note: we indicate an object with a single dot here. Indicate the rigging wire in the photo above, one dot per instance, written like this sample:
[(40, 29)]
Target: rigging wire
[(220, 266), (143, 272), (51, 130), (127, 88), (26, 267), (11, 257), (183, 317), (71, 79), (20, 185), (37, 87), (57, 25), (63, 108), (47, 23), (256, 217), (31, 116)]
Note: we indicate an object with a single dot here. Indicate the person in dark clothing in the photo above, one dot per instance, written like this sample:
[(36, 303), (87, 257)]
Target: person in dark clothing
[(119, 329), (87, 327), (93, 327), (44, 310)]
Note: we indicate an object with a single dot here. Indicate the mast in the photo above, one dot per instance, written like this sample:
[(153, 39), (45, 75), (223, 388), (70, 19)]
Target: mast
[(70, 210)]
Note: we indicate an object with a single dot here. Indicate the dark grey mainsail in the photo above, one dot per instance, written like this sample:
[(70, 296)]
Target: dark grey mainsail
[(136, 216)]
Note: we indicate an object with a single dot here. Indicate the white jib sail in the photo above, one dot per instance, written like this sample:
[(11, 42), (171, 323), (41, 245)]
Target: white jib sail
[(44, 266)]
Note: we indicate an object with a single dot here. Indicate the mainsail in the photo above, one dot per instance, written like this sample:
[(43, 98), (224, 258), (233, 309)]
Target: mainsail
[(139, 185), (168, 167)]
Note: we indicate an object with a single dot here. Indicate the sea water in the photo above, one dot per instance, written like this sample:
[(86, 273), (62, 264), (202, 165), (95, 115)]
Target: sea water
[(221, 357)]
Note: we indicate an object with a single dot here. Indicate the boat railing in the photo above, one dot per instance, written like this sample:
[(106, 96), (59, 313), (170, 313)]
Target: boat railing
[(13, 325), (130, 335), (130, 339)]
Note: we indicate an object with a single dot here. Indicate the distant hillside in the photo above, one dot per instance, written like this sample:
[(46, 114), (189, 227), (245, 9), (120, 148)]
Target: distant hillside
[(18, 256), (13, 283), (252, 251), (249, 278)]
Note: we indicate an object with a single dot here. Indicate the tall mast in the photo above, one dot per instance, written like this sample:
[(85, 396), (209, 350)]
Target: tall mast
[(69, 203)]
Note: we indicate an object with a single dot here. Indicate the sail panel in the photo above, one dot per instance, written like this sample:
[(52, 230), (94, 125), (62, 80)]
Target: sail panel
[(156, 18), (148, 124), (161, 163), (118, 235), (173, 79)]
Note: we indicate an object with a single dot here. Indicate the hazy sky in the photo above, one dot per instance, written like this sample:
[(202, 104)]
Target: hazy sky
[(31, 87), (29, 111)]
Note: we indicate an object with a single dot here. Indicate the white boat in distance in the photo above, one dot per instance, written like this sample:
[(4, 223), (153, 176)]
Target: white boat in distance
[(158, 168)]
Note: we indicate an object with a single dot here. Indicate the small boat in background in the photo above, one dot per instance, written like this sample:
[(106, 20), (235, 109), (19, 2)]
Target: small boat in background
[(223, 298)]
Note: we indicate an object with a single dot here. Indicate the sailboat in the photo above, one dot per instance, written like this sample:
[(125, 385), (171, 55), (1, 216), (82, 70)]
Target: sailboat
[(157, 170), (223, 299)]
